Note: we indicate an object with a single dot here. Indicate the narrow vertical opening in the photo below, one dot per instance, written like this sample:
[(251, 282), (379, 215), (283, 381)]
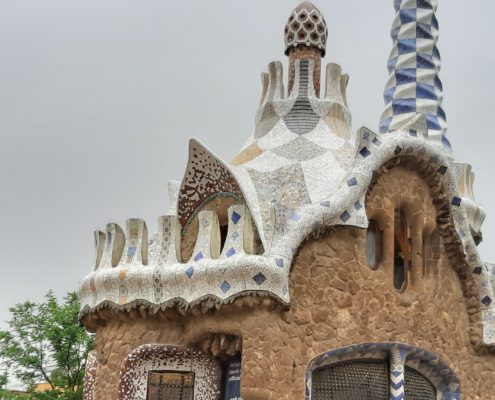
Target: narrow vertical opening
[(373, 245), (402, 251)]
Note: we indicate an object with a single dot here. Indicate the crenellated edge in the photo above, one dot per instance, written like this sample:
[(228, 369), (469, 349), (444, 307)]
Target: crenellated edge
[(475, 213), (224, 279), (114, 246)]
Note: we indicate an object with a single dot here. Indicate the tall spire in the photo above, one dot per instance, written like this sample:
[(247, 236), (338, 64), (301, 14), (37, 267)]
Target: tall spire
[(414, 86)]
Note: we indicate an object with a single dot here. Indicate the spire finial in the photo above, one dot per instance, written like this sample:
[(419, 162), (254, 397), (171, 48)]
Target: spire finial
[(306, 27)]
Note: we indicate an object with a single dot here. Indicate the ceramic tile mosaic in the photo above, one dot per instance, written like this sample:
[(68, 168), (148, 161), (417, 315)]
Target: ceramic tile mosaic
[(306, 172), (414, 85), (90, 377), (154, 357)]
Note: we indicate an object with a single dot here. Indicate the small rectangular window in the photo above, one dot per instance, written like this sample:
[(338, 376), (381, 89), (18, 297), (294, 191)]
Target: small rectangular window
[(170, 385)]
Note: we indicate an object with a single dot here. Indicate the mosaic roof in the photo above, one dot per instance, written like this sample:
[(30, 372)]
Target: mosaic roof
[(303, 169)]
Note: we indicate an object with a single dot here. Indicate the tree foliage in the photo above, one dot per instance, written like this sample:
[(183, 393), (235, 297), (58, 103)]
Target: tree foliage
[(45, 343)]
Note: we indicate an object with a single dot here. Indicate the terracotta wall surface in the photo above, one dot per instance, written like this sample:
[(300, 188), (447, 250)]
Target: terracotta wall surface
[(305, 53), (337, 300)]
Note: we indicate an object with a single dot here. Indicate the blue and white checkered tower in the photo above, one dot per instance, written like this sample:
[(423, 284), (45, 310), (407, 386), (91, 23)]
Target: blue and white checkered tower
[(414, 86)]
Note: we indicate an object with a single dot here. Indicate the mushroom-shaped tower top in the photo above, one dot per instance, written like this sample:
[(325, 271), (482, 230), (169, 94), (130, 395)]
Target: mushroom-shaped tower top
[(306, 27)]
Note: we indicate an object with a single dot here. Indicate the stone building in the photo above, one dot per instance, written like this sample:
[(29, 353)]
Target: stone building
[(320, 263)]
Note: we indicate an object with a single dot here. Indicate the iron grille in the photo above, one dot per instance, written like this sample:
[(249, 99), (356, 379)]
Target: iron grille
[(417, 386), (351, 380), (165, 385)]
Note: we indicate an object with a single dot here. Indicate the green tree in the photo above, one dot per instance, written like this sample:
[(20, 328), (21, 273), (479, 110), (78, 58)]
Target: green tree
[(45, 343)]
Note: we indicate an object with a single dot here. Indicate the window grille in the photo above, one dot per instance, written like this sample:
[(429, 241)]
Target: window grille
[(417, 386), (166, 385), (351, 380)]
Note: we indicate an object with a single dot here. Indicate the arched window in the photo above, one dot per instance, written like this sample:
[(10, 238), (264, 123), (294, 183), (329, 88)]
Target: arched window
[(402, 251), (373, 245), (356, 379), (380, 371), (417, 386)]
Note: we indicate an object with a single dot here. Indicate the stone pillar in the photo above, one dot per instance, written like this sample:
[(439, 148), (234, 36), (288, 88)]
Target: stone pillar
[(397, 359)]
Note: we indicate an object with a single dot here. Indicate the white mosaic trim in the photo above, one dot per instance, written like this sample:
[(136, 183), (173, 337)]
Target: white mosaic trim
[(154, 357)]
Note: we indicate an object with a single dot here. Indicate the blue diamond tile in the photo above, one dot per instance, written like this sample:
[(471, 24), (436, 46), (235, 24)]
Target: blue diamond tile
[(325, 203), (295, 217), (230, 252), (235, 217), (358, 205), (376, 142), (131, 251), (398, 150), (279, 262), (478, 270), (259, 278), (486, 300), (345, 216), (456, 201), (413, 132), (352, 182), (190, 272), (364, 152), (442, 170), (225, 287), (198, 256)]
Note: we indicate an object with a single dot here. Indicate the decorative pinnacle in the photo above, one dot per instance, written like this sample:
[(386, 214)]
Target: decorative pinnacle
[(306, 27)]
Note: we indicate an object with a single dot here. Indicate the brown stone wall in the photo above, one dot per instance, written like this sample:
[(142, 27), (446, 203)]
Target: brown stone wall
[(337, 300), (305, 53)]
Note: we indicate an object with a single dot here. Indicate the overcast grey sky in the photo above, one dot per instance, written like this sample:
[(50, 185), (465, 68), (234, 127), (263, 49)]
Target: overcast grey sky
[(98, 99)]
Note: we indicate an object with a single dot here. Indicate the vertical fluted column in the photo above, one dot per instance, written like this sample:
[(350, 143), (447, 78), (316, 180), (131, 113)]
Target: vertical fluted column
[(414, 86)]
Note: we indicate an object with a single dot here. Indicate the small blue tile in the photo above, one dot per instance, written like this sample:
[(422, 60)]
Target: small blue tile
[(235, 217), (230, 252), (413, 132), (456, 201), (279, 262), (131, 251), (345, 216), (295, 217), (190, 272), (225, 287), (364, 152), (405, 46), (478, 270), (198, 256), (358, 205), (352, 182), (325, 203), (442, 170), (487, 300), (398, 150), (259, 278), (407, 15), (403, 106), (376, 142)]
